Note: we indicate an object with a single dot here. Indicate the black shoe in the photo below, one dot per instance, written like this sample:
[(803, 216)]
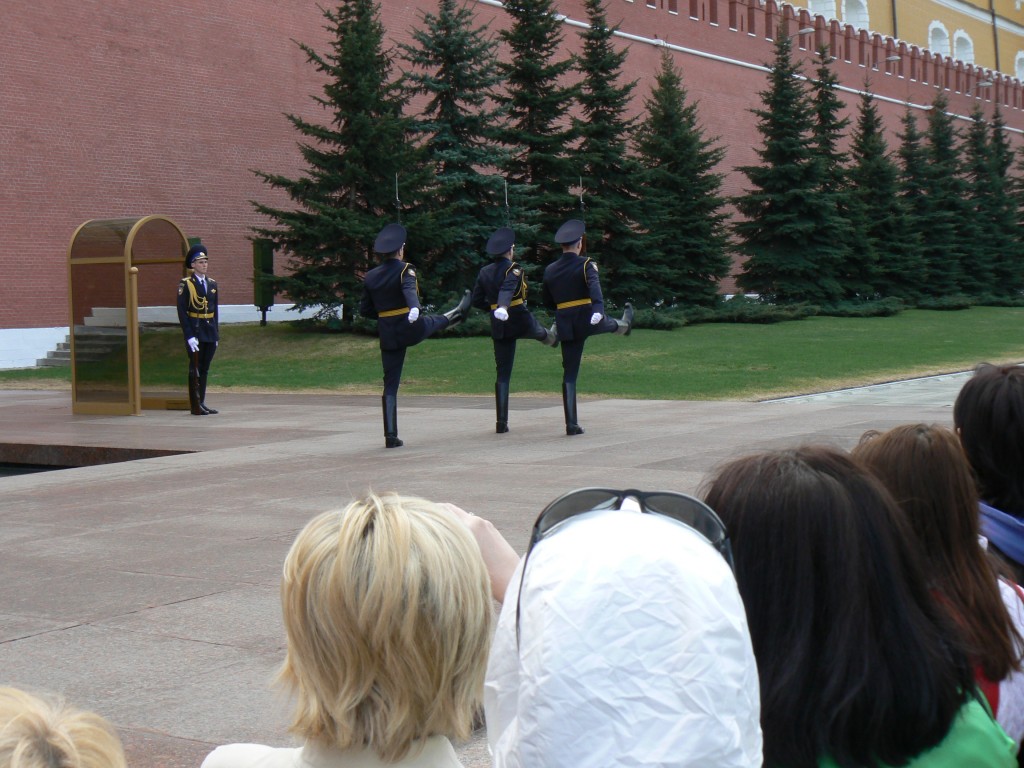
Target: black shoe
[(200, 412), (501, 408), (572, 426), (208, 410), (626, 323), (459, 313), (389, 405)]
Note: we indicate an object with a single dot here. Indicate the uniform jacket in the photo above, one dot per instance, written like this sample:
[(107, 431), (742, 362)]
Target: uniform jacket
[(391, 287), (503, 284), (573, 278), (197, 310)]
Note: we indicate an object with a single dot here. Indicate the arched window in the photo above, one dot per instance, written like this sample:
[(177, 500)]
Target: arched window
[(963, 47), (855, 12), (826, 8), (1018, 65), (938, 38)]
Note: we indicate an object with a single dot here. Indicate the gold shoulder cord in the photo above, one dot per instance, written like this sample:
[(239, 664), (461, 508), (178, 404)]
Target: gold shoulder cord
[(196, 303), (520, 292)]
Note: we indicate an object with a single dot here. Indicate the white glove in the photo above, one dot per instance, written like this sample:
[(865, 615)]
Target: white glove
[(501, 313), (596, 318), (193, 344), (414, 314)]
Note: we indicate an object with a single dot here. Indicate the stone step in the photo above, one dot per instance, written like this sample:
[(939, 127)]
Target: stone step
[(91, 346)]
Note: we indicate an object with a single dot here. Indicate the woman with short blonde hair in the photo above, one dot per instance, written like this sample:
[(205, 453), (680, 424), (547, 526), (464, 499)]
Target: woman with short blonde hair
[(388, 612), (36, 733)]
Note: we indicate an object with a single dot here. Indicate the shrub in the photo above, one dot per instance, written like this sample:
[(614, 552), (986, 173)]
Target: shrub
[(951, 302), (874, 308)]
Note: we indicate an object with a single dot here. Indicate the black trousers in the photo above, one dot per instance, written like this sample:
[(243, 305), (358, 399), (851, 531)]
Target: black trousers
[(572, 351), (392, 360), (504, 358), (199, 362)]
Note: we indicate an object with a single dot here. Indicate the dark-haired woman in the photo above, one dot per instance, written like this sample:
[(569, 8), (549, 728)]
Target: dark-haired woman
[(858, 665), (925, 470), (989, 419)]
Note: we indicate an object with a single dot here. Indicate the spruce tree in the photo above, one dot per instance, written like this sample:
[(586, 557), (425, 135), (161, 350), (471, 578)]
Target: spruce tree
[(684, 234), (784, 232), (894, 244), (538, 101), (452, 65), (847, 245), (983, 191), (608, 172), (945, 216), (1008, 267), (913, 192), (349, 186)]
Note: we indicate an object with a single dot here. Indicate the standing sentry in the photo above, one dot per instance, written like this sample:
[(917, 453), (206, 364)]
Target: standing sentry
[(197, 315)]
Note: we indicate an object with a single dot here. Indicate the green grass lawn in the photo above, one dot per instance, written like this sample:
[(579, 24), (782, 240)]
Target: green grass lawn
[(701, 362)]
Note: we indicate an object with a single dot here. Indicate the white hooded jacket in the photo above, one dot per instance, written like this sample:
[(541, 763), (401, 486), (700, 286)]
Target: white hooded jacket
[(634, 651)]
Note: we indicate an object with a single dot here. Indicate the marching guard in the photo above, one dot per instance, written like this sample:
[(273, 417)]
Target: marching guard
[(572, 287), (391, 295), (501, 290)]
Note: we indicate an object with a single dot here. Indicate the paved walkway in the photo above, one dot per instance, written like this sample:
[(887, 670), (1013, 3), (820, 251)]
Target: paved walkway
[(147, 590)]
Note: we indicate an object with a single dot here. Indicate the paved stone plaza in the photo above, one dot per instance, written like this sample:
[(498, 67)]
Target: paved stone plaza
[(147, 590)]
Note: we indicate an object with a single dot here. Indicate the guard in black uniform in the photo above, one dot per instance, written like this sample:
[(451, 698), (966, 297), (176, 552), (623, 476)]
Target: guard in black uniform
[(573, 289), (197, 315), (390, 294), (501, 290)]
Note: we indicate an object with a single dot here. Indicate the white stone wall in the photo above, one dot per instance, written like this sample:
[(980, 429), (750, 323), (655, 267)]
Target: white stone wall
[(22, 347)]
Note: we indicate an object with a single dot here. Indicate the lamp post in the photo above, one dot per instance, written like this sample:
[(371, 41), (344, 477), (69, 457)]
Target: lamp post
[(887, 60), (802, 33), (982, 84)]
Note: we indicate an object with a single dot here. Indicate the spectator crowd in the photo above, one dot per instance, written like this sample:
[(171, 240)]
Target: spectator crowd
[(809, 608)]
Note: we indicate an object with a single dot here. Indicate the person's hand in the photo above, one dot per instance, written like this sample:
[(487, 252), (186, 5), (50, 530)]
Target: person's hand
[(596, 318), (414, 314), (193, 344), (499, 557), (501, 313)]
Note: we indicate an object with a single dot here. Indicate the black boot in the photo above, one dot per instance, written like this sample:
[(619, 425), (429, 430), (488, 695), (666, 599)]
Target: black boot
[(501, 407), (626, 323), (195, 402), (459, 313), (572, 427), (389, 404), (202, 395)]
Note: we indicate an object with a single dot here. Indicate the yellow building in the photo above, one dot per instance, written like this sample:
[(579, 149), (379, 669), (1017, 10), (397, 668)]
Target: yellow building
[(987, 33)]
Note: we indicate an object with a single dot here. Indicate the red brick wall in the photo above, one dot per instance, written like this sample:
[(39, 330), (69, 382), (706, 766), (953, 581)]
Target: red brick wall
[(118, 108)]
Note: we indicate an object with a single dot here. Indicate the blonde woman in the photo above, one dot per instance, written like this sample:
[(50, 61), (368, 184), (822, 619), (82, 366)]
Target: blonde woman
[(36, 733), (387, 608)]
